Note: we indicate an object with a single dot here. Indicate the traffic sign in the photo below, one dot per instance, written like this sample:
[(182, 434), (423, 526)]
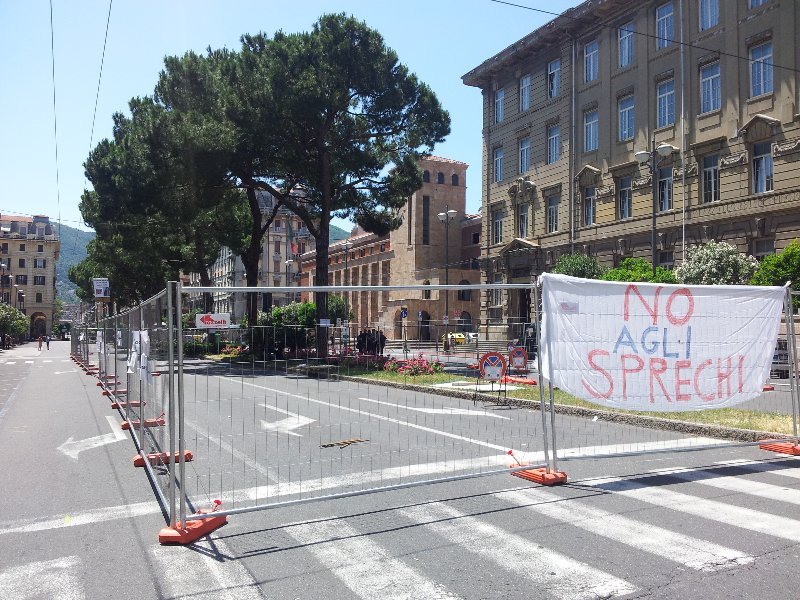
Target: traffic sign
[(492, 366), (403, 313), (518, 358), (419, 315), (446, 320)]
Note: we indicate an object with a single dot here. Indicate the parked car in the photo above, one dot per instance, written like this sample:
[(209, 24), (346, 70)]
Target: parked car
[(455, 338)]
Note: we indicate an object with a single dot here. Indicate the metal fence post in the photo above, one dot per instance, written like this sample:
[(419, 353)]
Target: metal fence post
[(538, 314), (791, 341), (171, 402), (181, 432)]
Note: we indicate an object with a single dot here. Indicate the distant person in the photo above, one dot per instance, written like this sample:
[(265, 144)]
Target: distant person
[(47, 341), (40, 342), (381, 341)]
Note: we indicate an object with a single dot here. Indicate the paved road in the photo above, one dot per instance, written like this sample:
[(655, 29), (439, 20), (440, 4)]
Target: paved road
[(79, 522)]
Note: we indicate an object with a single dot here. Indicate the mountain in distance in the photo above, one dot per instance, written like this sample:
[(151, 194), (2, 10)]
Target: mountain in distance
[(336, 233), (73, 251)]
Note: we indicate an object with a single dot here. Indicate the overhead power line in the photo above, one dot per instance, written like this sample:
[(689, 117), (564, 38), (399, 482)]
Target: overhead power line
[(55, 112)]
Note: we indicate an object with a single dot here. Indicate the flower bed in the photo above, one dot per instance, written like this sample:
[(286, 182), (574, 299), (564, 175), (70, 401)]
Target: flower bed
[(414, 366)]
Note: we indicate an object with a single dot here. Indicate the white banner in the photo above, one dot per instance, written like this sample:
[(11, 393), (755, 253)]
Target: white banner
[(655, 347)]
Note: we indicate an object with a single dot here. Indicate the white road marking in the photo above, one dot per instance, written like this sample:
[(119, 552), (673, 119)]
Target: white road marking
[(375, 416), (287, 425), (28, 362), (72, 448), (361, 564), (63, 372), (88, 517), (691, 552), (203, 576), (46, 579), (740, 485), (588, 451), (762, 467), (47, 361), (11, 362), (562, 576), (294, 421), (277, 490), (744, 518), (440, 411)]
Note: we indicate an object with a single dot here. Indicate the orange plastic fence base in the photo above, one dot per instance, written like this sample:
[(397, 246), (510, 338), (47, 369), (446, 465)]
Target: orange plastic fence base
[(781, 447), (161, 458), (191, 530), (147, 423), (541, 476), (115, 392), (516, 379), (131, 404), (768, 387)]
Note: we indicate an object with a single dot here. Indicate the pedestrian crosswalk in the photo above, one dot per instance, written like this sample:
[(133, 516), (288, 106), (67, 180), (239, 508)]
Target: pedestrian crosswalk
[(593, 538)]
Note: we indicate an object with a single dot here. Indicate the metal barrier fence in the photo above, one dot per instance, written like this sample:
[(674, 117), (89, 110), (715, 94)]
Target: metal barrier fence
[(283, 409)]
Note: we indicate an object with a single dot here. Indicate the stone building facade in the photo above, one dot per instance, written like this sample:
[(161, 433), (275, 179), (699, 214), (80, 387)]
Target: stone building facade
[(705, 90), (425, 250), (29, 249)]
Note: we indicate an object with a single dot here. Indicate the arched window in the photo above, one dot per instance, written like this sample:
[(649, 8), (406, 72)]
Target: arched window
[(465, 295), (440, 177), (426, 294), (454, 179), (426, 176)]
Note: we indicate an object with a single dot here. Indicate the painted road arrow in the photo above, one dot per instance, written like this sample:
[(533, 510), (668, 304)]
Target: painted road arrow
[(286, 425), (72, 448), (293, 421)]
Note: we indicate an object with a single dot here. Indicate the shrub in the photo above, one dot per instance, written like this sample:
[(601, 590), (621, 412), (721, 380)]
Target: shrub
[(578, 265), (639, 270), (716, 263)]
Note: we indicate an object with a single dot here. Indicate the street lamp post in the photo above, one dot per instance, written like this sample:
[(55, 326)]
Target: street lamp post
[(651, 159), (445, 217), (346, 320)]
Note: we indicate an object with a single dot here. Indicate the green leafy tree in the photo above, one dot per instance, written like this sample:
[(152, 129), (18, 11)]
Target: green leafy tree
[(778, 269), (716, 263), (13, 323), (639, 270), (344, 138), (292, 326), (338, 309), (156, 208), (578, 265)]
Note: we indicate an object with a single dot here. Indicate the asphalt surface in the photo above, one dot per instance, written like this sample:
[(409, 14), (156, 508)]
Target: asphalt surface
[(79, 521)]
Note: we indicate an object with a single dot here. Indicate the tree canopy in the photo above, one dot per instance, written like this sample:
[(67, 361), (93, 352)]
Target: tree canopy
[(329, 122)]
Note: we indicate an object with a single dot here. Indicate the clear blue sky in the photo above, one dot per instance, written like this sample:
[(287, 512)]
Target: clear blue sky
[(439, 40)]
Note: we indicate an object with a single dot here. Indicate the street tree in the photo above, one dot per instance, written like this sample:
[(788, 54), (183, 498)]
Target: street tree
[(347, 125), (155, 208)]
